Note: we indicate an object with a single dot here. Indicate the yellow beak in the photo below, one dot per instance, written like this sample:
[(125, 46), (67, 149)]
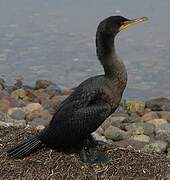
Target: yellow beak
[(128, 23)]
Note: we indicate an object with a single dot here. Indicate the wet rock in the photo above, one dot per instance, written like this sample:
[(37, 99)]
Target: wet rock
[(19, 94), (43, 84), (17, 113), (33, 107), (147, 128), (164, 115), (99, 137), (4, 105), (157, 146), (141, 138), (157, 122), (38, 114), (115, 134), (159, 104), (39, 121), (135, 106), (149, 116)]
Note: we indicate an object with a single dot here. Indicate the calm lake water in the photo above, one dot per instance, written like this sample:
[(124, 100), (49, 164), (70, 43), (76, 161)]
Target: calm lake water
[(56, 40)]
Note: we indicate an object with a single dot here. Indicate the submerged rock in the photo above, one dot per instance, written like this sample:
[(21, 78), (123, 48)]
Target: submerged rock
[(43, 84)]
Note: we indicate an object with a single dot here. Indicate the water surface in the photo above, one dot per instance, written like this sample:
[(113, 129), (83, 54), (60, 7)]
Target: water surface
[(56, 40)]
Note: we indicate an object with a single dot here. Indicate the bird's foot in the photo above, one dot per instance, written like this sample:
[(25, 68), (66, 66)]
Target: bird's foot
[(88, 157)]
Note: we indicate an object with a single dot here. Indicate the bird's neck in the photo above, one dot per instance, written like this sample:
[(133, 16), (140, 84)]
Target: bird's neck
[(106, 53)]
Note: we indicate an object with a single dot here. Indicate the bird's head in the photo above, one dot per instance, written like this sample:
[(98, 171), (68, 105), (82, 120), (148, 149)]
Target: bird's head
[(114, 24)]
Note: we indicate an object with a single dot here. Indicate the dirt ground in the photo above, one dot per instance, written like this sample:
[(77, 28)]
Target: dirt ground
[(124, 163)]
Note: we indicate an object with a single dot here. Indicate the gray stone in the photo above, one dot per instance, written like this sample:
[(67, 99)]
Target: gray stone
[(98, 137), (164, 115), (141, 138), (159, 104), (157, 122), (163, 136), (149, 116), (157, 146), (17, 113), (147, 128), (163, 128), (115, 134)]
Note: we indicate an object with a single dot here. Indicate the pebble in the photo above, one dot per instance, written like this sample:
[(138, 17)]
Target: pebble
[(19, 94), (159, 104), (4, 105), (168, 153), (157, 122), (115, 134), (38, 114), (99, 137), (135, 106), (17, 113), (149, 116), (43, 84), (163, 128), (33, 107), (157, 146), (141, 138), (164, 115), (147, 128)]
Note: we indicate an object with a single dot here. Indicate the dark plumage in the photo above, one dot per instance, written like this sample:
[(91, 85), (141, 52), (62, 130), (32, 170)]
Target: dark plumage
[(92, 101)]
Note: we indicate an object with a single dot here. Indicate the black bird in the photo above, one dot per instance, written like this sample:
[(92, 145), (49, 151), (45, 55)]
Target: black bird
[(92, 101)]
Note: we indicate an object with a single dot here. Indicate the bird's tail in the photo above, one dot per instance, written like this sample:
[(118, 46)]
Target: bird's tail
[(24, 149)]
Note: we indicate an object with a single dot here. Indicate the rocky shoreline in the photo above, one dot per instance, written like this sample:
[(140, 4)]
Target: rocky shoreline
[(142, 125)]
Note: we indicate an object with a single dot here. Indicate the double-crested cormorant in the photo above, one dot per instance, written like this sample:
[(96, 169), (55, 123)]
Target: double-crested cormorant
[(92, 101)]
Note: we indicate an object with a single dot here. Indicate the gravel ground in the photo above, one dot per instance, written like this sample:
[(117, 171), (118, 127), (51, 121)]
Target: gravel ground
[(124, 163)]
